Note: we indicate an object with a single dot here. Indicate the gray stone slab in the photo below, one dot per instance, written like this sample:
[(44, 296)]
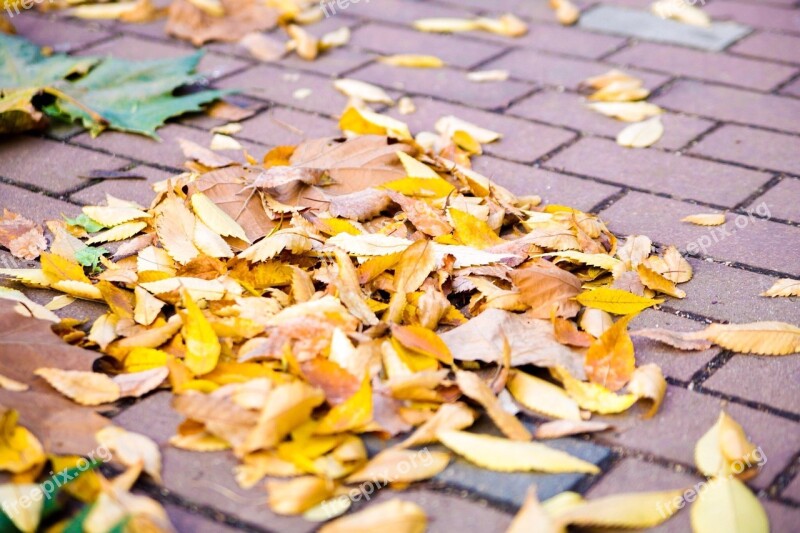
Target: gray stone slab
[(508, 488), (649, 27)]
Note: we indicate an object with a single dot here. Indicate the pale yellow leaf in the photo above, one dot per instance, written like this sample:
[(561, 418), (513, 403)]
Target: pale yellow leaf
[(616, 301), (209, 242), (725, 450), (401, 466), (175, 228), (224, 142), (640, 510), (202, 345), (476, 389), (85, 388), (291, 239), (445, 25), (726, 504), (626, 111), (783, 287), (449, 125), (483, 76), (542, 396), (594, 397), (533, 518), (118, 233), (113, 216), (412, 61), (641, 134), (604, 261), (215, 218), (648, 383), (362, 90), (762, 338), (705, 219), (25, 517), (132, 449), (680, 11)]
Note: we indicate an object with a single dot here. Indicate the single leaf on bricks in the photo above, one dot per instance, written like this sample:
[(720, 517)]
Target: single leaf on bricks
[(761, 338), (610, 360), (294, 496), (503, 455), (557, 429), (783, 287), (641, 134), (412, 61), (709, 219), (362, 90), (726, 504), (131, 449), (202, 345)]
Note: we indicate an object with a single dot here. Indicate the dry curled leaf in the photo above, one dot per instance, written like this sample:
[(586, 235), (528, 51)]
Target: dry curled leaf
[(709, 219), (761, 338)]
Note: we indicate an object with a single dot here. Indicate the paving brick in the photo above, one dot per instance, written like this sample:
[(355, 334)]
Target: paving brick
[(139, 191), (184, 521), (673, 362), (60, 35), (649, 27), (447, 511), (734, 105), (781, 517), (400, 12), (135, 48), (457, 51), (203, 478), (567, 109), (522, 140), (34, 206), (657, 171), (331, 63), (782, 200), (50, 165), (559, 39), (635, 475), (554, 188), (166, 152), (685, 416), (278, 85), (756, 15), (547, 69), (521, 8), (792, 490), (731, 294), (749, 146), (445, 83), (769, 46), (792, 89), (754, 243), (765, 380), (279, 126), (748, 73)]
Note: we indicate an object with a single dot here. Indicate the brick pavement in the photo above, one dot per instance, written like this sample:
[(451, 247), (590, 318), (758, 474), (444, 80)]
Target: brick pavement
[(732, 143)]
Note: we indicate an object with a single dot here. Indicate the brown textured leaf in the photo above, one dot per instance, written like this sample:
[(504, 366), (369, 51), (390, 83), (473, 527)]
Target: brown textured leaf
[(239, 17)]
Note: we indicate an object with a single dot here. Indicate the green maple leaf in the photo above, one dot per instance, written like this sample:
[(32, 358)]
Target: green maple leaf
[(133, 96)]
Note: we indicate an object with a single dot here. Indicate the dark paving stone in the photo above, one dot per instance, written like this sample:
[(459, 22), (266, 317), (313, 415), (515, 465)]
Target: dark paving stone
[(754, 244), (34, 206), (649, 27), (766, 380), (733, 105), (388, 40), (673, 362), (553, 188), (165, 152), (60, 35), (749, 146), (686, 415), (761, 76), (522, 140), (769, 46), (657, 171), (731, 294), (444, 83), (782, 200), (568, 109), (756, 15), (135, 48), (546, 69), (635, 475), (139, 191), (50, 165)]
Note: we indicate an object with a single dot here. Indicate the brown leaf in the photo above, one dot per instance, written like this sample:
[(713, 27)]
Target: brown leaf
[(189, 22), (610, 361), (24, 238), (544, 287)]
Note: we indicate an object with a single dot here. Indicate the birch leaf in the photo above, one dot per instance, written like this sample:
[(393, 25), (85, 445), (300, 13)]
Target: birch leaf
[(630, 511), (449, 125), (726, 504), (412, 61), (626, 111), (202, 345), (85, 388), (783, 287), (594, 397), (706, 219), (503, 455), (394, 515), (655, 281), (762, 338), (677, 339), (542, 396), (616, 301), (449, 416), (610, 360), (722, 446), (400, 466), (648, 382), (215, 218), (641, 134), (132, 449)]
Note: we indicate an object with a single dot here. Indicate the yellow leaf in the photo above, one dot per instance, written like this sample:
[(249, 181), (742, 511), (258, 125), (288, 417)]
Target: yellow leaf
[(604, 261), (616, 301), (681, 12), (762, 338), (175, 228), (594, 397), (449, 416), (25, 517), (725, 450), (209, 242), (641, 510), (420, 187), (85, 388), (416, 169), (401, 466), (118, 233), (367, 122), (471, 230), (19, 449), (707, 219), (445, 25), (482, 76), (474, 388), (424, 341), (641, 134), (78, 289), (57, 268), (726, 504), (503, 455), (215, 218), (533, 517), (270, 246), (297, 495), (395, 516), (655, 281), (412, 61), (542, 396), (87, 486), (449, 125), (362, 90), (352, 414), (369, 244), (140, 359), (132, 449), (783, 287), (610, 360), (648, 382), (507, 25), (114, 216), (566, 12), (202, 344)]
